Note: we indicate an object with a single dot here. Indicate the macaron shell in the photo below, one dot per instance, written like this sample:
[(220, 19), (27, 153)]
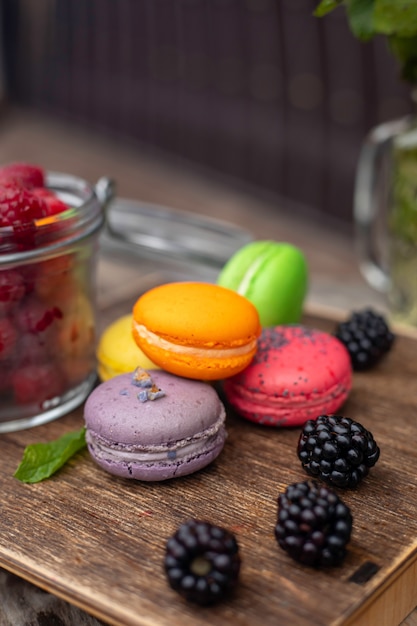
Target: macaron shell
[(297, 374), (271, 275), (198, 314), (169, 437), (113, 410), (117, 351), (213, 329)]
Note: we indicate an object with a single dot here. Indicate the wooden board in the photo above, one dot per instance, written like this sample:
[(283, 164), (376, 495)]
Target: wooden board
[(98, 541)]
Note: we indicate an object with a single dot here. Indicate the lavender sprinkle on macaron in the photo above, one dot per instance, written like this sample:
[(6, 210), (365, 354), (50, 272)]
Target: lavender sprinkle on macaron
[(141, 378)]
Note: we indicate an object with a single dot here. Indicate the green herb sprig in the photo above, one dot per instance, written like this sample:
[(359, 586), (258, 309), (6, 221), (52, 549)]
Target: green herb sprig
[(41, 460), (394, 19)]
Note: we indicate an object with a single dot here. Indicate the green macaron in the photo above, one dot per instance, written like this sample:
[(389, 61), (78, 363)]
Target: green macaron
[(273, 276)]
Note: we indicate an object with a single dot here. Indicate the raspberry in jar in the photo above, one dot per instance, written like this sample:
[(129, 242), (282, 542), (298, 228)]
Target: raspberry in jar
[(49, 227)]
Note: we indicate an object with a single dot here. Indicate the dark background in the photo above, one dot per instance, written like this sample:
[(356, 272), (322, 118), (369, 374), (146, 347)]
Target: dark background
[(258, 91)]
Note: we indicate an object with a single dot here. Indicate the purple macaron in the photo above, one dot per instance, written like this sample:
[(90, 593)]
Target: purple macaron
[(153, 425)]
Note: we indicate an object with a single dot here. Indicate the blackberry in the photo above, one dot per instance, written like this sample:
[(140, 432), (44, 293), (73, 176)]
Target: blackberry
[(337, 450), (367, 338), (202, 562), (314, 525)]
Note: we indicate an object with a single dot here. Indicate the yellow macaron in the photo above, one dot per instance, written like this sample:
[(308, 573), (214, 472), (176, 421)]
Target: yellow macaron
[(196, 330), (117, 351)]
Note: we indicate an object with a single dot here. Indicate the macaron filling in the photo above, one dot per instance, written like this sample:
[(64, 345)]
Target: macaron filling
[(227, 353), (177, 451)]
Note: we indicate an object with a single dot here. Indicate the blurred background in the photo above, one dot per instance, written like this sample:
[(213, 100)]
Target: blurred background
[(257, 93)]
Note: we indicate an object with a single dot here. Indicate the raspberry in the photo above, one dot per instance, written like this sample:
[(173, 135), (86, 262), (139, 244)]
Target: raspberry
[(26, 174), (314, 525), (43, 192), (36, 383), (31, 349), (202, 562), (12, 289), (337, 449), (53, 203), (8, 337), (367, 338), (34, 317), (52, 274), (10, 182), (55, 206), (5, 375), (19, 207)]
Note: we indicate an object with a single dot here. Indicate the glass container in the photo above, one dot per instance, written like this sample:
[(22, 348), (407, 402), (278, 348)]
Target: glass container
[(48, 306)]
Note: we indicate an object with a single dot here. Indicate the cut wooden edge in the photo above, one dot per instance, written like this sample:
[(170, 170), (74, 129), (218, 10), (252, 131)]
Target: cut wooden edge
[(389, 605), (335, 314), (392, 602)]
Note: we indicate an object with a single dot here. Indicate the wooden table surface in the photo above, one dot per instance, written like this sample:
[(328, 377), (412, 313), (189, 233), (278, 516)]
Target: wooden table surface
[(335, 279)]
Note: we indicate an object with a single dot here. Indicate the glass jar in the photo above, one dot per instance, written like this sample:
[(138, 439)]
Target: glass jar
[(48, 307), (385, 211)]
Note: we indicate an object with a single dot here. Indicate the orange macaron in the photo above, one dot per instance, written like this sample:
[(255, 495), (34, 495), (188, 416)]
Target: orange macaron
[(196, 329)]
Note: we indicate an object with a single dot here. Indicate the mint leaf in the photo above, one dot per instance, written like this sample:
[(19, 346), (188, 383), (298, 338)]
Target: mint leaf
[(326, 6), (361, 18), (41, 460), (396, 18)]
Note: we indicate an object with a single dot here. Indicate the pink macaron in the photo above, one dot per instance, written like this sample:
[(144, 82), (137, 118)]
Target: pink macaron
[(298, 373), (153, 425)]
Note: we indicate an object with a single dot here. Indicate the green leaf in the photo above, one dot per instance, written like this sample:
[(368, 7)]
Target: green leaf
[(405, 50), (397, 17), (41, 460), (326, 6), (361, 18), (394, 19)]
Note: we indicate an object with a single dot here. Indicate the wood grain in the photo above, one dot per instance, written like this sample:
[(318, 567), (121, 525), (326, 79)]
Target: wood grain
[(335, 281), (98, 541)]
